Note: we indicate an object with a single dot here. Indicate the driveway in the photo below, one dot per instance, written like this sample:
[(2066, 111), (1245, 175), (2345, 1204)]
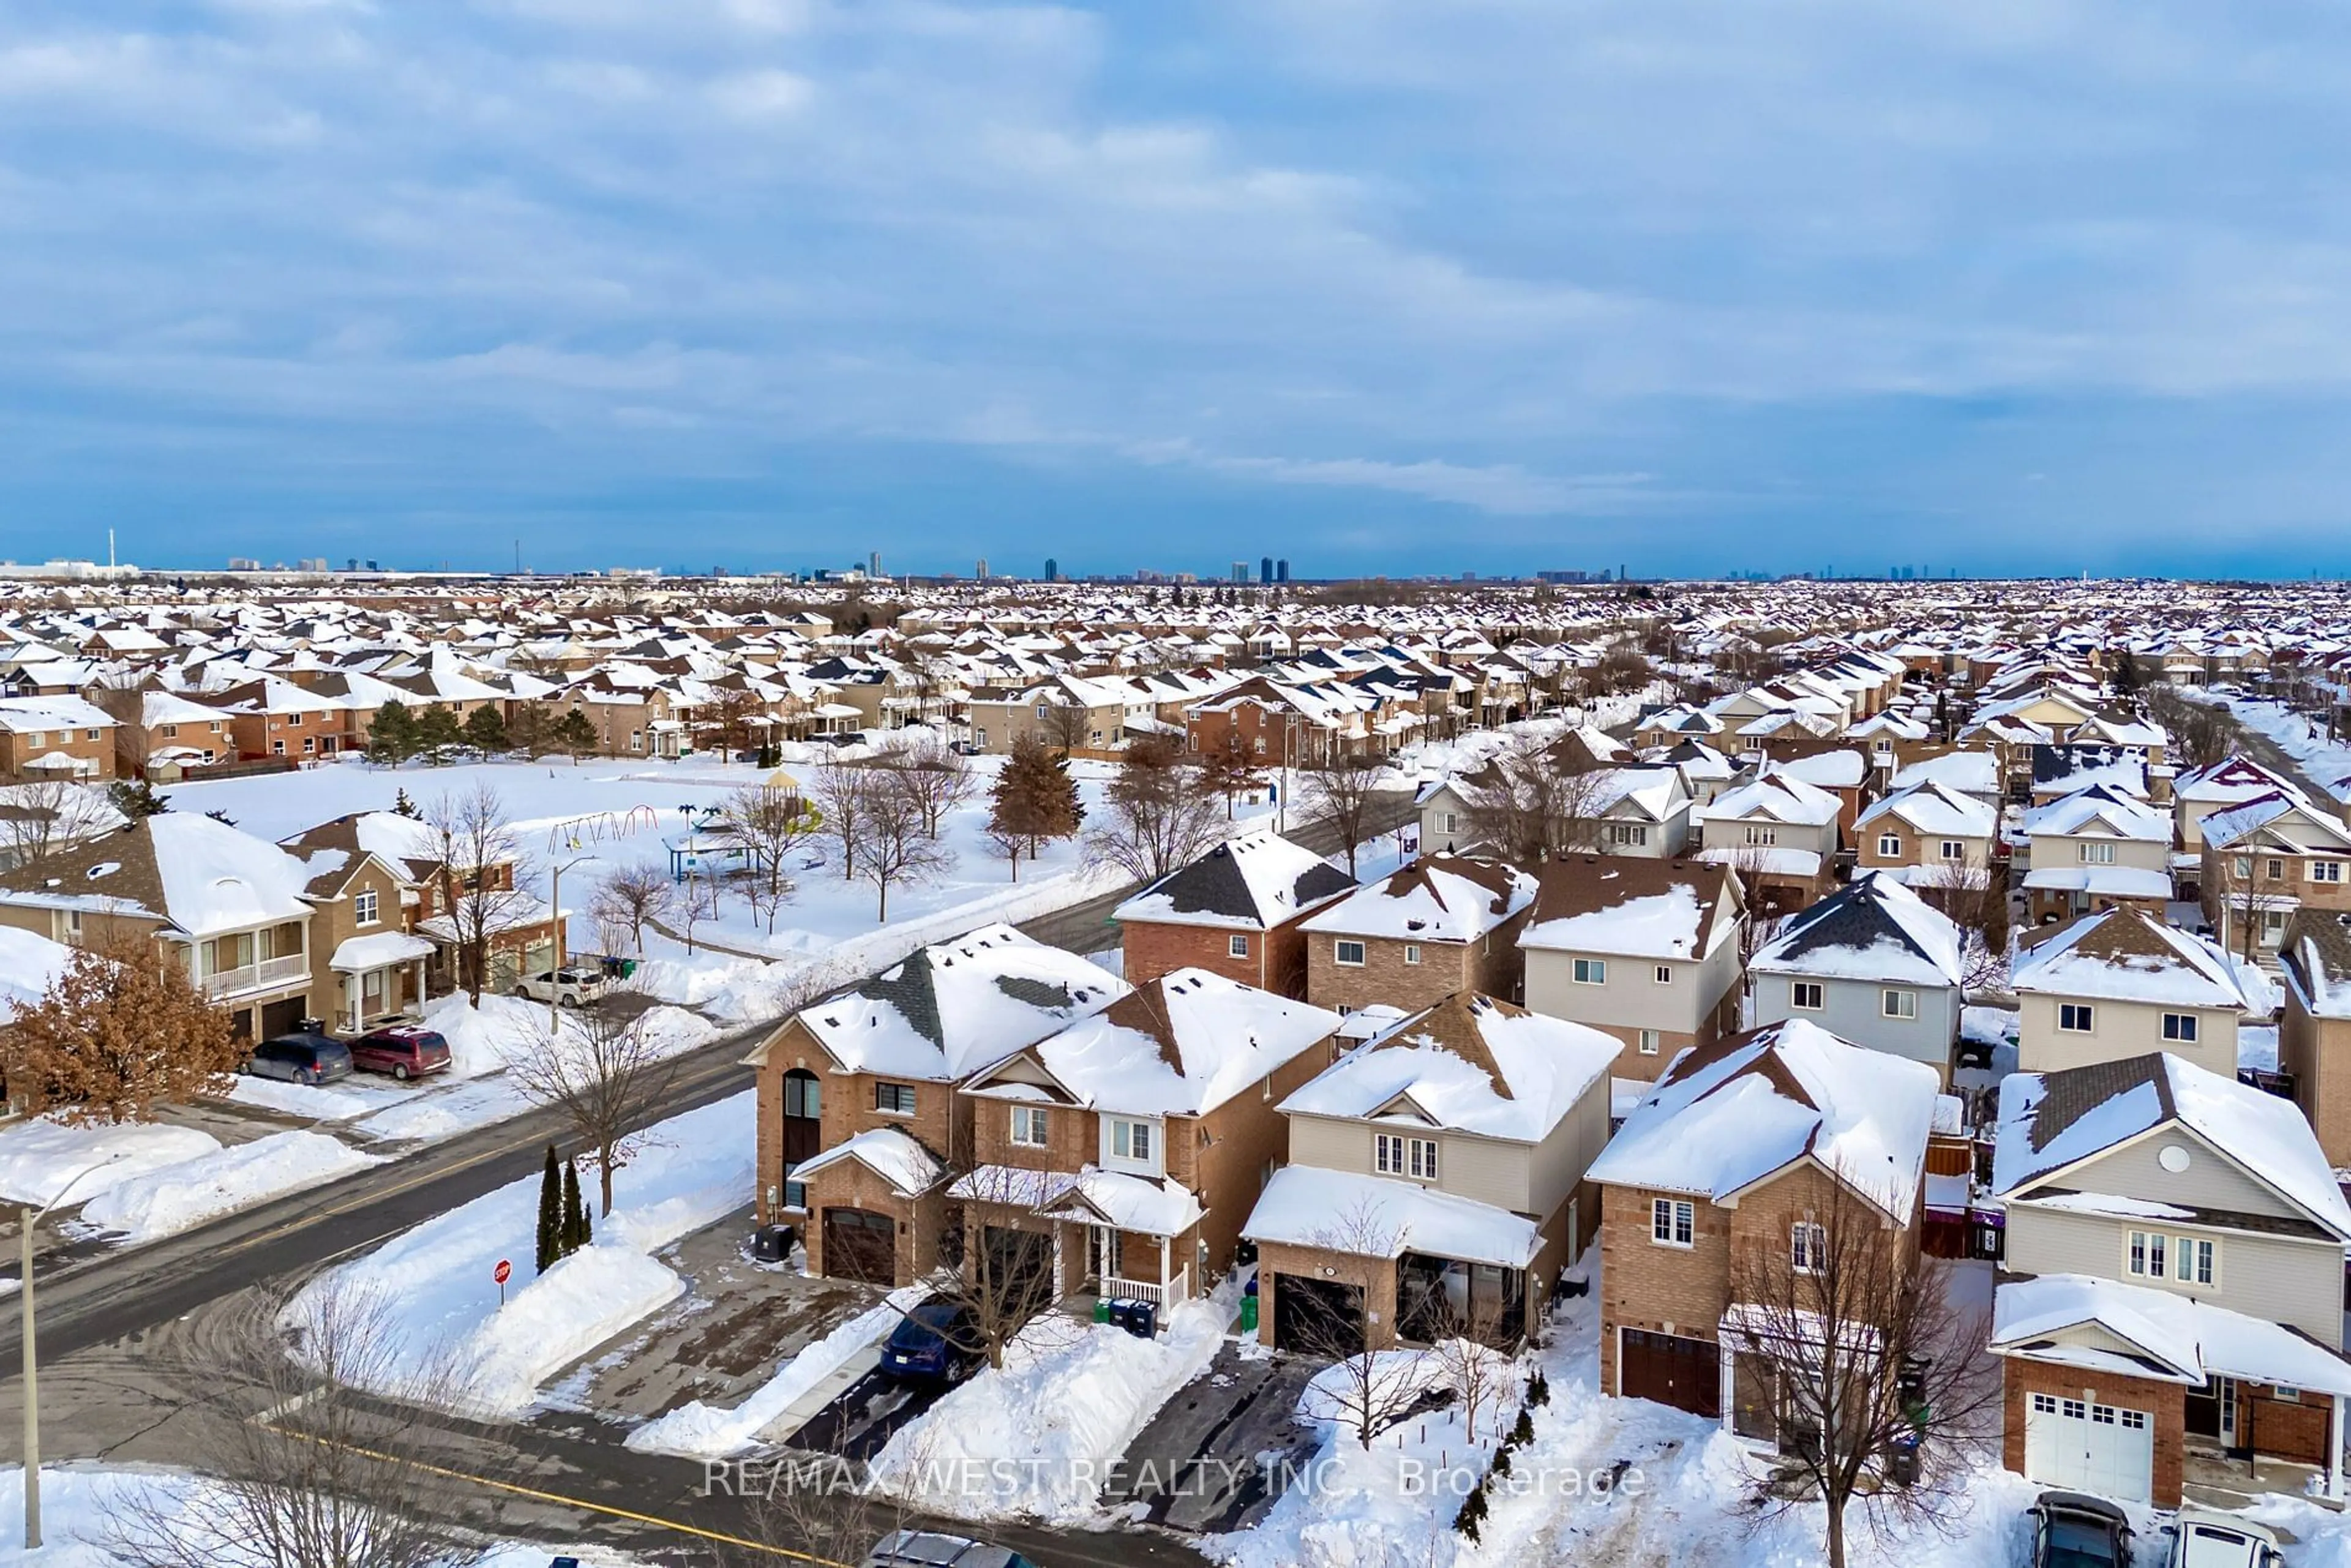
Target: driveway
[(1212, 1459)]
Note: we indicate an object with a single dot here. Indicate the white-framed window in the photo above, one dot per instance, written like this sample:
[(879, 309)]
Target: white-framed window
[(1673, 1222), (1897, 1004), (2095, 854), (1030, 1126), (2182, 1259), (1590, 972), (1131, 1140), (1954, 849), (2325, 870), (1628, 833), (2242, 865), (1394, 1155), (2180, 1027), (1348, 953), (1763, 835), (1808, 1246), (2076, 1018), (1452, 822), (1647, 1041), (363, 907), (1889, 845), (2277, 870), (1806, 996), (1663, 974), (1412, 952), (1236, 947), (894, 1098)]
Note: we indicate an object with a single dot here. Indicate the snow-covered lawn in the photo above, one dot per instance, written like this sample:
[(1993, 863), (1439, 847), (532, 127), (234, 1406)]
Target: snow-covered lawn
[(180, 1196), (42, 1157), (1039, 1435), (682, 1175), (76, 1501)]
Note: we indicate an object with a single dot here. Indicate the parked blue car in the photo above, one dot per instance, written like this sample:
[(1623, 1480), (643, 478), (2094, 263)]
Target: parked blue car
[(936, 1340)]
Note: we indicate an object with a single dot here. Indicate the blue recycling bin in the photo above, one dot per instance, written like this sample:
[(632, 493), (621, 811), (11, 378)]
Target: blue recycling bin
[(1143, 1319)]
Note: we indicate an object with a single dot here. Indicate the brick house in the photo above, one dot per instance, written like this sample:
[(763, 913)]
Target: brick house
[(1441, 925), (1121, 1154), (2314, 1029), (1646, 951), (1436, 1183), (2265, 858), (861, 1122), (2175, 1245), (276, 718), (1927, 835), (59, 737), (1239, 910), (1739, 1146), (2120, 985), (366, 967)]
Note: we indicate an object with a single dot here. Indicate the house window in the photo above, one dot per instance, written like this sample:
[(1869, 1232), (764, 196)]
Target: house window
[(1412, 952), (2182, 1259), (2241, 866), (796, 1195), (1590, 972), (2180, 1027), (1897, 1004), (1028, 1126), (1672, 1222), (277, 748), (2325, 870), (2076, 1018), (2277, 870), (1808, 1246), (1954, 849), (1889, 845), (1764, 837), (170, 732), (1400, 1156), (1452, 822), (1131, 1140), (1805, 996), (2095, 854), (1665, 974), (1647, 1041), (1628, 833), (294, 721), (979, 739), (894, 1098), (1236, 947), (363, 907), (1350, 954)]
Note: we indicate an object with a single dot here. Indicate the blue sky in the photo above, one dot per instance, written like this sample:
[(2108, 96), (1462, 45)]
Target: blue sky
[(1373, 285)]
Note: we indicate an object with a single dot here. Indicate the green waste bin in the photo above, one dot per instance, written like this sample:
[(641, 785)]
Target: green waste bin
[(628, 968), (1101, 1309), (1248, 1314)]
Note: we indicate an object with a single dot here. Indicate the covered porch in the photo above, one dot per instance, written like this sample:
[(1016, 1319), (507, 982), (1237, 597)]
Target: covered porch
[(1113, 1237), (380, 976)]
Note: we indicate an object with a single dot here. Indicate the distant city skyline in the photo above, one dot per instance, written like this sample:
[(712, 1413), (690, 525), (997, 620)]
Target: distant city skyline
[(1383, 287)]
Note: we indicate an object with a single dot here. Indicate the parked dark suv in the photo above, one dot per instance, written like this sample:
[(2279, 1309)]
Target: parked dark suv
[(939, 1339), (405, 1050), (301, 1059)]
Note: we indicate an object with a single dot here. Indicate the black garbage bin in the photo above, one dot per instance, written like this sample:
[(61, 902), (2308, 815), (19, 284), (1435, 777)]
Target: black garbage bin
[(1143, 1319), (772, 1243)]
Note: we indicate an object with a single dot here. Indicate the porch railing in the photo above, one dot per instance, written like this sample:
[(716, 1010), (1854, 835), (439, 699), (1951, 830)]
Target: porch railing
[(1174, 1292), (257, 977)]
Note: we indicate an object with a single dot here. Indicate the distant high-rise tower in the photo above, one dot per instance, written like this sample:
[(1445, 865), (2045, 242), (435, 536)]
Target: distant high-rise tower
[(980, 572), (1265, 569), (1052, 569), (873, 564), (1282, 571), (1240, 572)]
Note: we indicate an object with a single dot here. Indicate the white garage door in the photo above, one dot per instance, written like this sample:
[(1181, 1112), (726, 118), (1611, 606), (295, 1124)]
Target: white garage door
[(2089, 1448)]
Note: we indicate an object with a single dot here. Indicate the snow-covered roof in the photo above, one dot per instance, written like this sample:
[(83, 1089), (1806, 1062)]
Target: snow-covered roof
[(357, 954), (1254, 882), (2194, 1341), (1437, 898), (894, 1156), (2101, 811), (2315, 956), (1727, 1115), (1936, 810), (1374, 1216), (1963, 772), (1470, 1063), (1773, 796), (1874, 928), (2052, 1121), (1631, 906), (2126, 955), (30, 964)]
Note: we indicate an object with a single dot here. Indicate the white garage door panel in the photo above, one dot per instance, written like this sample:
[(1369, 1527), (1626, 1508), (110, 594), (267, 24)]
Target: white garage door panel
[(2089, 1448)]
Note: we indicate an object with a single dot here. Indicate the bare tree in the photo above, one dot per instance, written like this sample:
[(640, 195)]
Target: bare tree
[(2200, 733), (1767, 904), (1156, 815), (480, 876), (2241, 897), (1001, 1275), (323, 1458), (1481, 1376), (697, 901), (1341, 789), (841, 790), (602, 1069), (768, 824), (893, 847), (1064, 726), (633, 897), (1975, 896), (1535, 801), (42, 815), (936, 777), (1852, 1357), (1365, 1390)]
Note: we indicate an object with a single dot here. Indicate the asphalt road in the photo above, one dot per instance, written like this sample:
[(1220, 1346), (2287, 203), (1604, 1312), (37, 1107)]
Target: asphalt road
[(115, 1323)]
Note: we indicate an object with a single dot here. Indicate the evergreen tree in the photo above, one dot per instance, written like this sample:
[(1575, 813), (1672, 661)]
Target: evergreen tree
[(391, 738), (2127, 678), (136, 798), (527, 730), (485, 729), (436, 733), (576, 733), (551, 1212), (402, 806), (574, 1225)]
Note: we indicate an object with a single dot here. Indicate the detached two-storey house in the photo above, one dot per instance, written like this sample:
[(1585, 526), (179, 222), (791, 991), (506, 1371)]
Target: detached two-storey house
[(1780, 833), (1873, 964), (2314, 1029), (1123, 1154), (2175, 1244), (1746, 1143), (1441, 925), (861, 1127), (2098, 848), (1929, 836), (1646, 951), (2264, 858), (1435, 1181), (1239, 910), (2122, 984)]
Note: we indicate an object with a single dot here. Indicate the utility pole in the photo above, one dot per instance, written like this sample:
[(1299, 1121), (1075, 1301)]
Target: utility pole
[(31, 1219)]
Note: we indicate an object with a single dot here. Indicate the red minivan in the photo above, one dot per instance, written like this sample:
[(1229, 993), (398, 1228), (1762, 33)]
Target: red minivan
[(405, 1050)]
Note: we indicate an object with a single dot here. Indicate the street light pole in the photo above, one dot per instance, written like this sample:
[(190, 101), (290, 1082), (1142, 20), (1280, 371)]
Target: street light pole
[(555, 910), (32, 1217)]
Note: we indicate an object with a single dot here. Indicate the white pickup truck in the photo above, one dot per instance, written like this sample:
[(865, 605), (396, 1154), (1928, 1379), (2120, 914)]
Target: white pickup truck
[(566, 988)]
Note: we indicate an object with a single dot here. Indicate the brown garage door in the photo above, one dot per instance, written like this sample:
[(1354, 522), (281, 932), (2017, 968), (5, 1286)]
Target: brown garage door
[(1685, 1373), (284, 1017), (1317, 1317), (860, 1245)]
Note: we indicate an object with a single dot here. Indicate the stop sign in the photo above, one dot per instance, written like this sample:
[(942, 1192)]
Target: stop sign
[(503, 1272)]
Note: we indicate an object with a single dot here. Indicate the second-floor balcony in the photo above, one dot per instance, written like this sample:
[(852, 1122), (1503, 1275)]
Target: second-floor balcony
[(256, 976)]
